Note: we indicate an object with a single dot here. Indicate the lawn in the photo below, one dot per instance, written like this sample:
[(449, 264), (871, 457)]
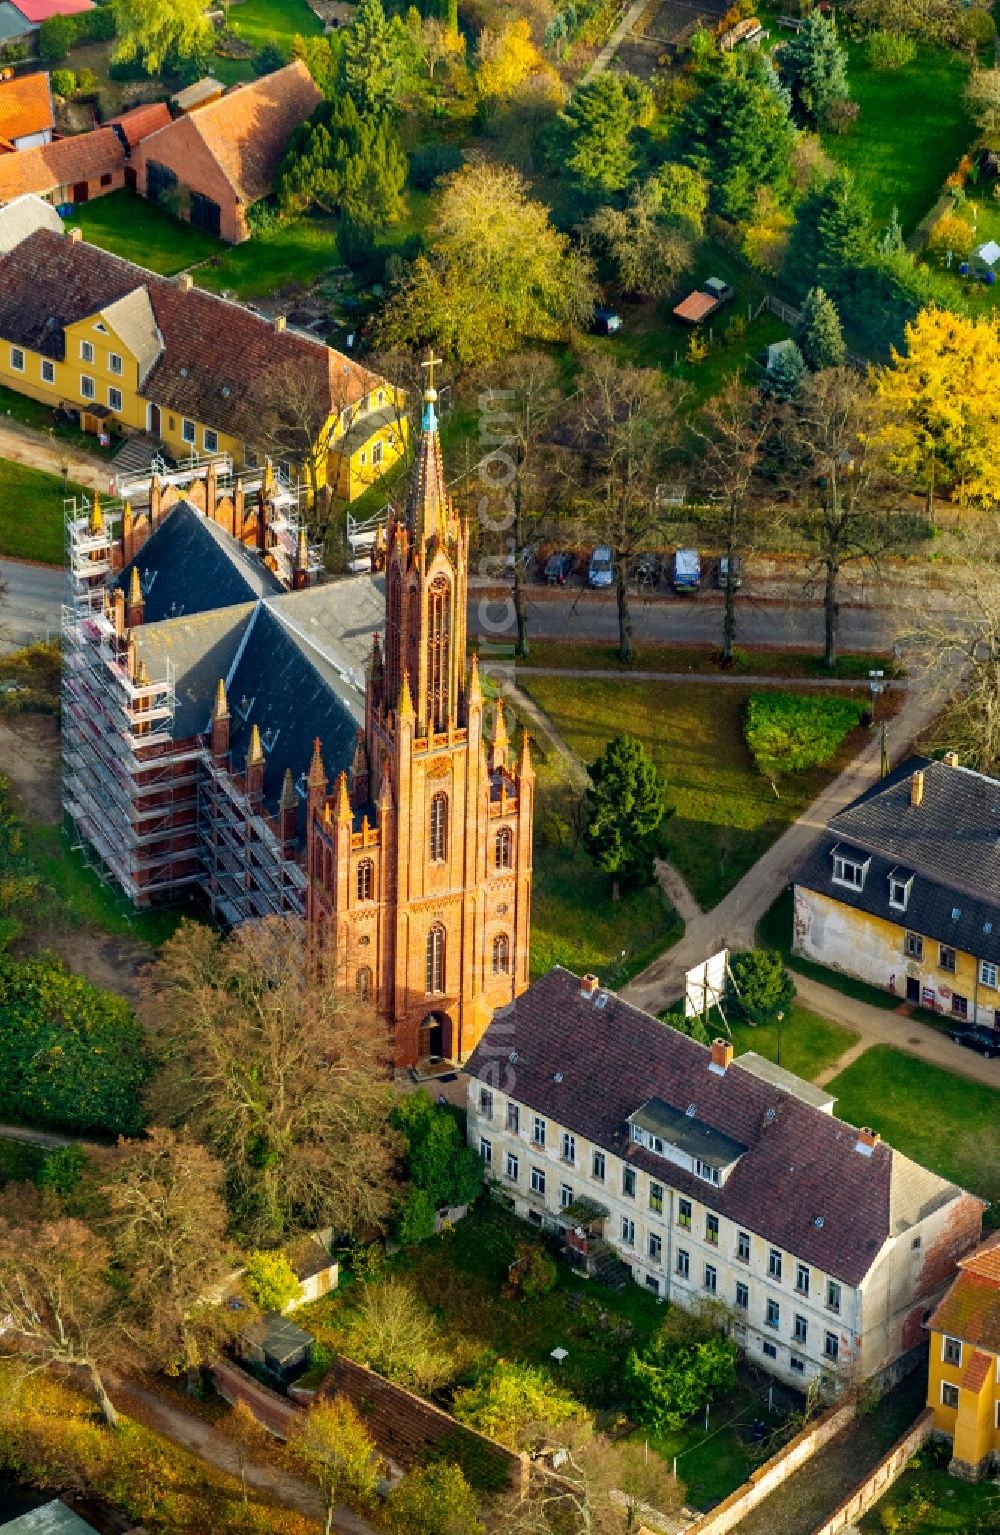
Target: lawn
[(749, 661), (725, 813), (911, 132), (265, 21), (31, 513), (139, 231), (575, 923), (955, 1505), (804, 1043), (946, 1122), (80, 898), (976, 298)]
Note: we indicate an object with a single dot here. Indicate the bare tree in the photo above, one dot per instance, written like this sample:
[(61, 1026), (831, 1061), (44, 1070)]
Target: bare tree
[(733, 430), (600, 1488), (847, 511), (280, 1072), (625, 424)]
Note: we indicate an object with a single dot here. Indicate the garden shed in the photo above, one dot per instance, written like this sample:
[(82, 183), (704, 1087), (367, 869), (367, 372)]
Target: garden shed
[(277, 1345)]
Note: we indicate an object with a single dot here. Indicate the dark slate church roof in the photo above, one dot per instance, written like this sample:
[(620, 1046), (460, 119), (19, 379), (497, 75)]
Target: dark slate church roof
[(191, 565), (949, 844)]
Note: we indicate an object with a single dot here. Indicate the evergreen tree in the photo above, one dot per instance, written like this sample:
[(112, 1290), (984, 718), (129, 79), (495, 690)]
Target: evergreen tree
[(740, 135), (891, 242), (813, 67), (818, 333), (598, 125), (373, 59), (833, 240), (785, 373), (344, 162), (626, 801)]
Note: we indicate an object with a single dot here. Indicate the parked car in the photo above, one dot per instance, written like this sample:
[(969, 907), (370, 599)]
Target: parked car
[(606, 322), (525, 556), (558, 568), (648, 569), (687, 570), (979, 1037), (601, 570), (722, 571)]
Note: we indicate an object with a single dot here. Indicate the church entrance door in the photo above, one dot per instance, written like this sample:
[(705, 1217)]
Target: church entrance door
[(435, 1037)]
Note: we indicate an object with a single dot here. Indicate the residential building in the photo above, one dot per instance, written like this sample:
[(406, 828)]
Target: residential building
[(202, 375), (209, 688), (67, 171), (212, 164), (26, 119), (964, 1374), (21, 19), (903, 890), (420, 862), (714, 1179)]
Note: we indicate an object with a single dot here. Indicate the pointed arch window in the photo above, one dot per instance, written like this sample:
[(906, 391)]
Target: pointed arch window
[(438, 651), (438, 840), (501, 954), (363, 983), (366, 880), (503, 848), (393, 638), (435, 961)]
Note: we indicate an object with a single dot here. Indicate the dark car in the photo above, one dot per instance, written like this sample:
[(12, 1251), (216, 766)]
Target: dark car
[(558, 568), (722, 571), (978, 1036), (648, 569)]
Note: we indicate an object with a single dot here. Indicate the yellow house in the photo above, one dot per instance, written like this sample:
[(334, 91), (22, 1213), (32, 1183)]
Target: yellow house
[(138, 353), (963, 1388), (903, 891)]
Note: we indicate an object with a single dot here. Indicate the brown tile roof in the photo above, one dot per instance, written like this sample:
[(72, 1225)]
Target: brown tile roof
[(695, 307), (83, 157), (141, 121), (801, 1183), (25, 106), (985, 1261), (977, 1372), (246, 130), (220, 364), (970, 1311)]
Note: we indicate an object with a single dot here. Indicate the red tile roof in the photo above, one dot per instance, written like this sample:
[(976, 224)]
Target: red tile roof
[(985, 1261), (37, 11), (246, 131), (220, 363), (801, 1182), (25, 106), (84, 157), (141, 121), (695, 307), (970, 1311), (977, 1372)]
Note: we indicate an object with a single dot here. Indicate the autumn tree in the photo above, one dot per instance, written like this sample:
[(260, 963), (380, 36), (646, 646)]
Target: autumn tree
[(646, 252), (155, 31), (497, 272), (166, 1223), (602, 1487), (279, 1072), (505, 58), (61, 1308), (982, 98), (943, 392), (733, 430), (270, 1280), (433, 1500), (598, 124), (623, 425), (399, 1336), (512, 1403), (845, 512), (331, 1444), (627, 808)]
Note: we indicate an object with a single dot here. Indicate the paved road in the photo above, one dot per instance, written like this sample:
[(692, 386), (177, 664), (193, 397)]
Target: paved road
[(30, 608)]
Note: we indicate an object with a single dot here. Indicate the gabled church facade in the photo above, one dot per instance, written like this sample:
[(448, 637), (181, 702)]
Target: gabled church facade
[(419, 862)]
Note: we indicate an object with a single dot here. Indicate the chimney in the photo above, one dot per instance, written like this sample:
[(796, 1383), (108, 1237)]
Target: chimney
[(917, 788), (951, 759), (185, 282), (280, 321), (589, 985), (76, 236), (868, 1139), (722, 1056)]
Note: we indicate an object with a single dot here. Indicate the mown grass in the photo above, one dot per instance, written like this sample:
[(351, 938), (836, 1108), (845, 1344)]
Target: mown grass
[(575, 922), (77, 897), (756, 661), (911, 131), (803, 1042), (129, 226), (955, 1505), (943, 1121), (31, 513), (725, 813)]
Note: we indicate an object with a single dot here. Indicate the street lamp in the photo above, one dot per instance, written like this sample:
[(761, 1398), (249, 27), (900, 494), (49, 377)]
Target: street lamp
[(779, 1019), (875, 685)]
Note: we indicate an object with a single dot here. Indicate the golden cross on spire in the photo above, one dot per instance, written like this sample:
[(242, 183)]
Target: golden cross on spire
[(431, 363)]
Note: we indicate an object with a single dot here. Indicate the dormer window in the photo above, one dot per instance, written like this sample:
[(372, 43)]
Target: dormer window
[(900, 885), (707, 1171), (850, 869)]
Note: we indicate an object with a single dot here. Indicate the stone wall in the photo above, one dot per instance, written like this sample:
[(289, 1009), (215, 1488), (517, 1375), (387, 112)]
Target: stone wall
[(878, 1481)]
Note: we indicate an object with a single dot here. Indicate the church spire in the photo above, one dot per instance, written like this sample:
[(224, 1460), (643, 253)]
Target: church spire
[(427, 508)]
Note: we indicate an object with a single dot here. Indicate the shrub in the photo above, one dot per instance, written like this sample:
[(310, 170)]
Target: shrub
[(890, 50), (271, 1281), (417, 1219), (790, 732), (841, 116), (56, 36), (686, 1365), (763, 986), (263, 216), (62, 1170), (975, 27), (510, 1398), (63, 82), (950, 233), (533, 1272), (269, 58), (73, 1056), (86, 82)]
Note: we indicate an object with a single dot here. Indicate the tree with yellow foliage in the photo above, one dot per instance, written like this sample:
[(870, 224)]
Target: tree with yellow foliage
[(943, 394), (505, 58)]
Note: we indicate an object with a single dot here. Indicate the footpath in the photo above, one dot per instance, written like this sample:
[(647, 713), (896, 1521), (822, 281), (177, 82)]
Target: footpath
[(38, 450)]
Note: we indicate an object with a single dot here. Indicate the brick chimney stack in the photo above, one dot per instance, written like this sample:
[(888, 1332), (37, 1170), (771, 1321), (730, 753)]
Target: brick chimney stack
[(917, 788), (722, 1055), (951, 759), (589, 985)]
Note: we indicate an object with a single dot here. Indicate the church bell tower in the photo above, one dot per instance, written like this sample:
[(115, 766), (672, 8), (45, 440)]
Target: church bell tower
[(420, 860)]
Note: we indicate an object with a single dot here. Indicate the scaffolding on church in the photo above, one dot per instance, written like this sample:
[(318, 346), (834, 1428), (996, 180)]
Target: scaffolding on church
[(248, 875)]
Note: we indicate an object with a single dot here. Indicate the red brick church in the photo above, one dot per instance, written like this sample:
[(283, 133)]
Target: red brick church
[(419, 864)]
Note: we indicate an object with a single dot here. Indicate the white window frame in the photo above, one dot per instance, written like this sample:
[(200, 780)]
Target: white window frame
[(86, 351), (15, 353), (565, 1196), (711, 1284), (190, 438), (772, 1313), (629, 1182), (842, 864), (599, 1167), (50, 376), (538, 1131), (88, 389), (486, 1150), (742, 1242), (654, 1246), (628, 1231), (212, 446), (115, 364), (948, 1386), (774, 1263), (712, 1228), (511, 1166), (913, 945), (741, 1301), (683, 1263), (568, 1152), (800, 1328), (802, 1277), (831, 1347), (955, 1343), (377, 448), (486, 1103), (769, 1348), (685, 1214), (707, 1171), (902, 885), (514, 1118), (538, 1181), (797, 1364), (112, 391), (988, 974), (834, 1296)]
